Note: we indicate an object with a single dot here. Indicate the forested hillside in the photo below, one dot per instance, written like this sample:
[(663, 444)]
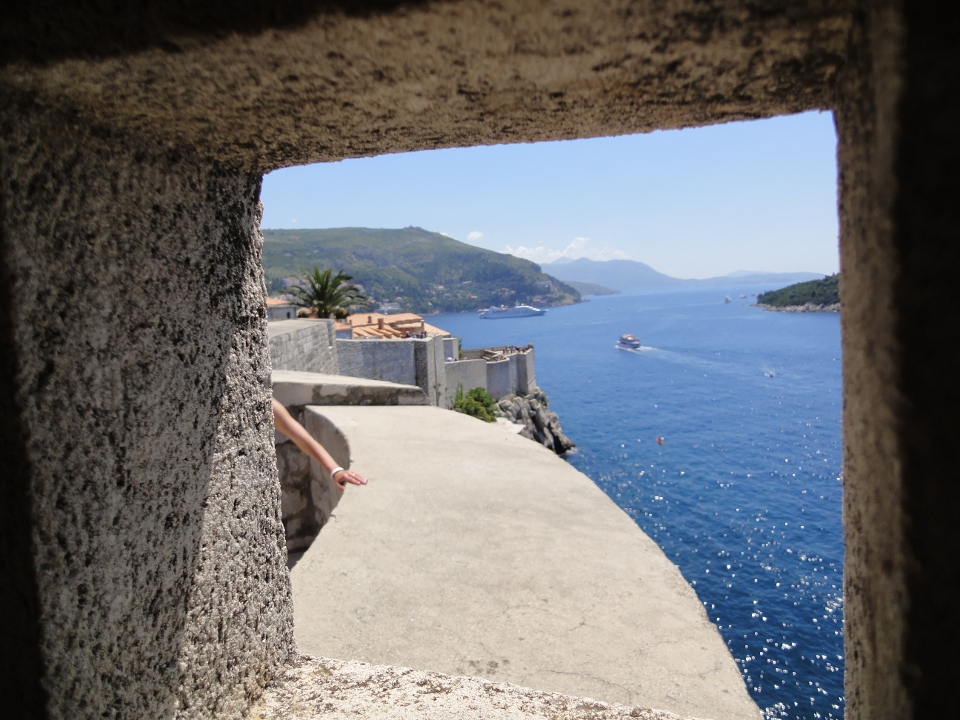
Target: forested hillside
[(815, 292), (424, 272)]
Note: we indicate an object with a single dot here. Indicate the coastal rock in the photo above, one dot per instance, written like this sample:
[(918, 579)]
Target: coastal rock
[(539, 423), (808, 307)]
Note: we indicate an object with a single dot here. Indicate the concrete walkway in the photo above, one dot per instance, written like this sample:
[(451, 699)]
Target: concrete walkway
[(475, 551)]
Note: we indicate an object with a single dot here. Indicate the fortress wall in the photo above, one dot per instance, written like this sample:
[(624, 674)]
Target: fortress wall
[(304, 344), (526, 372), (466, 373), (431, 374), (513, 374), (390, 360), (501, 378), (144, 527)]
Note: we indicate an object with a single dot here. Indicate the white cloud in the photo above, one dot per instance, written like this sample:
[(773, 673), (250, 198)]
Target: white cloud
[(475, 235), (579, 247)]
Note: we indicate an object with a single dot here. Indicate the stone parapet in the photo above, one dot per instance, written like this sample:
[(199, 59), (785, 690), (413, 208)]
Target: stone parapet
[(294, 388)]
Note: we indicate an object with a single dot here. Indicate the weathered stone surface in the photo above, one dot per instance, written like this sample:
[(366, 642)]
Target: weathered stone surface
[(332, 84), (323, 689), (142, 397), (474, 551)]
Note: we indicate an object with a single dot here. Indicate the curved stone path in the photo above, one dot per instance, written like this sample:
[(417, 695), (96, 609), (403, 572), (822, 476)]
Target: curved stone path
[(474, 551)]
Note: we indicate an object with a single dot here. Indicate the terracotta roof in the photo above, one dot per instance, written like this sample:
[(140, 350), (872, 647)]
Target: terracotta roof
[(434, 330), (366, 324), (387, 333)]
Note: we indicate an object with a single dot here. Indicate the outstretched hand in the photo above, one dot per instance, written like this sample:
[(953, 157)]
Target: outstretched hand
[(348, 476), (285, 423)]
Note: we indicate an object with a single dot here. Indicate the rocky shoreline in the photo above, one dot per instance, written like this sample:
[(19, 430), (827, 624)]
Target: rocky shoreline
[(808, 307), (539, 423)]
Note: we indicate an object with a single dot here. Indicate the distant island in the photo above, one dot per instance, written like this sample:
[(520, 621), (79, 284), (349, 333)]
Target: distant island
[(813, 296), (411, 269), (633, 276)]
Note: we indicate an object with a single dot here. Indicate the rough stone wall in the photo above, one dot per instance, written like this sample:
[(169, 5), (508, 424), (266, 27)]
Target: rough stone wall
[(897, 119), (133, 307), (222, 79), (390, 360), (303, 344)]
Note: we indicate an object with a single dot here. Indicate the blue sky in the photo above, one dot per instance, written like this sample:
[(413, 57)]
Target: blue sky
[(699, 202)]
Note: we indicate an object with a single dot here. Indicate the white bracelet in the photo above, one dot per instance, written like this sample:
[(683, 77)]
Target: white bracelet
[(335, 471)]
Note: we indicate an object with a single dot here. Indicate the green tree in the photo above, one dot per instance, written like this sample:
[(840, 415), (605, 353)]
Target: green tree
[(326, 293)]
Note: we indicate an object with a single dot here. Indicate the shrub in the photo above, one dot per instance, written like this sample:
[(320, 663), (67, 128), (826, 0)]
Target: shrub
[(476, 403)]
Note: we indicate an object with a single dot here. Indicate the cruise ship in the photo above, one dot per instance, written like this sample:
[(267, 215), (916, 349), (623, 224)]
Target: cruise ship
[(495, 313)]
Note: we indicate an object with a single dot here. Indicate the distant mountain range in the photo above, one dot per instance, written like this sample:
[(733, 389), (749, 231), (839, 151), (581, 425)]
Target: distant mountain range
[(633, 276), (421, 271)]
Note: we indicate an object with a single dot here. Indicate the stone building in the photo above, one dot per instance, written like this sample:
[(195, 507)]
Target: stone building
[(141, 541)]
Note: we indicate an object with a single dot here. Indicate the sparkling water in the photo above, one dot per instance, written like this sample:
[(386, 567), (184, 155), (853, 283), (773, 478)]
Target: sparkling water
[(742, 489)]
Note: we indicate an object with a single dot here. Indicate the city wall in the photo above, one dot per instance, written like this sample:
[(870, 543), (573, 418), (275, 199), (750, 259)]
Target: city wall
[(310, 346), (303, 344), (513, 373)]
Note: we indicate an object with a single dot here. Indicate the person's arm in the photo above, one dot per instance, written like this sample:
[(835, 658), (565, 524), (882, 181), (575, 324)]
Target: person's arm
[(284, 422)]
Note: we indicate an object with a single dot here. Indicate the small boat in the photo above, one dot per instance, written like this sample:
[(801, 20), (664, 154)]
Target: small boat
[(727, 299), (628, 342), (496, 313)]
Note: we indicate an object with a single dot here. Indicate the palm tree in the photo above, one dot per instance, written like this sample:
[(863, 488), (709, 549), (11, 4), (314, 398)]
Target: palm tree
[(326, 293)]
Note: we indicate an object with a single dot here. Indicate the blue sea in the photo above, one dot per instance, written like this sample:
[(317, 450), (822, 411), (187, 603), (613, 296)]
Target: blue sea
[(744, 493)]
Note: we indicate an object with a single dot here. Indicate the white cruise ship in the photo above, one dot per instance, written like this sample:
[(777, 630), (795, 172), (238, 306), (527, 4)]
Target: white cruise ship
[(516, 311)]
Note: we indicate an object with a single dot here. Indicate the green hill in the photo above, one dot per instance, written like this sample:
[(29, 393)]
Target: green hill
[(424, 272), (588, 288), (815, 292)]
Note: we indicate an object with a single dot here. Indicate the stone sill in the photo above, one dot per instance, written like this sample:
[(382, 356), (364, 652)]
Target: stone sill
[(323, 689)]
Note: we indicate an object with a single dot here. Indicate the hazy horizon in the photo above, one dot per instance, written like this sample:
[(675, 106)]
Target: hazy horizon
[(704, 202)]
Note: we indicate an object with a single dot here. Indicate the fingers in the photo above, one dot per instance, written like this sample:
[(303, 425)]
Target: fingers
[(349, 476)]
